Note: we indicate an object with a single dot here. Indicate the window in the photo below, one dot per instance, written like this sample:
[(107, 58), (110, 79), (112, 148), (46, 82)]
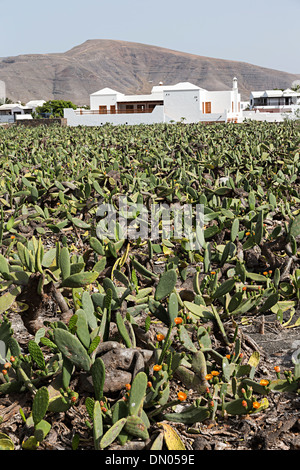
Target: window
[(112, 109), (102, 110), (207, 107), (129, 108)]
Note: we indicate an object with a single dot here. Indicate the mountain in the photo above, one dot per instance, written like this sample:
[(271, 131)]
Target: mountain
[(131, 68)]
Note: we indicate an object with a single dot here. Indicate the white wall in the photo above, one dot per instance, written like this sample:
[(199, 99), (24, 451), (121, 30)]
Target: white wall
[(2, 91), (86, 119), (271, 117), (257, 116), (7, 119), (188, 104), (222, 100), (182, 104), (103, 100)]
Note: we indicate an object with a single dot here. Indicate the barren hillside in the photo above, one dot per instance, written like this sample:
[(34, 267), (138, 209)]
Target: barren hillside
[(127, 67)]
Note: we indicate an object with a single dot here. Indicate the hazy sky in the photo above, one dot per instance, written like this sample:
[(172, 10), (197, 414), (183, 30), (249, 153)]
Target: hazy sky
[(261, 32)]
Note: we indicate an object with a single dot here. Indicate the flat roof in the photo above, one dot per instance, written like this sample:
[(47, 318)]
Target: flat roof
[(274, 93), (10, 106), (151, 97)]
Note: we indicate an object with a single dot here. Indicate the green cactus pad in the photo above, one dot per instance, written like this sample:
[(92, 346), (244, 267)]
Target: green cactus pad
[(71, 348), (165, 284)]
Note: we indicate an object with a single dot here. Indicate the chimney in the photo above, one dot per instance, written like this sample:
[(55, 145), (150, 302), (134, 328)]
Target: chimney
[(234, 83)]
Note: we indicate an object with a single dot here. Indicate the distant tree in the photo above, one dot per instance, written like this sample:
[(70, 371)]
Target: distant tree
[(296, 87), (55, 108), (6, 101)]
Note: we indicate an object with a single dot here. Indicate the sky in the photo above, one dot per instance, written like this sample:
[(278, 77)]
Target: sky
[(260, 32)]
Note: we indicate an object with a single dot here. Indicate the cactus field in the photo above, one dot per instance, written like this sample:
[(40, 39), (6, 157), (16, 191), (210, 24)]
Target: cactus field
[(150, 336)]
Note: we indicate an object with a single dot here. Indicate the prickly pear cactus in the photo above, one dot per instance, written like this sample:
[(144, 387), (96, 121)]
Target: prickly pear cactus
[(137, 393), (98, 376), (71, 348), (136, 427), (40, 405)]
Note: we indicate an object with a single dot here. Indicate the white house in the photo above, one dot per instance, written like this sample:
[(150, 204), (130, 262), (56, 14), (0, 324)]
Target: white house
[(183, 101), (33, 104), (2, 91), (274, 101), (16, 111), (11, 112), (273, 105)]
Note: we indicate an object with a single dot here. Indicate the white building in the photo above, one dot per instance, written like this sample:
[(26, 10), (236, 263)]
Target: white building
[(13, 111), (183, 101), (16, 111), (2, 91), (274, 101), (273, 105), (33, 104)]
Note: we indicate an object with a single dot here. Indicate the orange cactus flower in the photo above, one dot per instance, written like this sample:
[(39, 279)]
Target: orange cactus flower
[(214, 373), (12, 237), (244, 288), (178, 321), (127, 386), (149, 384), (277, 369), (73, 399), (4, 371), (12, 359), (7, 365), (265, 273), (244, 403), (256, 405), (157, 367), (181, 396), (208, 376), (264, 382), (213, 272), (247, 233), (160, 337)]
